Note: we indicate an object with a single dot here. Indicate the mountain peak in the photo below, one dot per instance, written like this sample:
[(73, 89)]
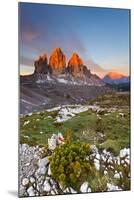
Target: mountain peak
[(115, 78), (75, 60), (58, 49), (75, 54), (57, 61), (115, 75), (42, 57), (41, 65)]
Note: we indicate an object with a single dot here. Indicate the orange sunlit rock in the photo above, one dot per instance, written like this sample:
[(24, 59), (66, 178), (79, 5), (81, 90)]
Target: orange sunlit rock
[(57, 61), (76, 65), (115, 75), (75, 60)]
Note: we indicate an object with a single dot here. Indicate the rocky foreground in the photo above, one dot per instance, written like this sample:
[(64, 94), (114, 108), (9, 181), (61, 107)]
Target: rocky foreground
[(36, 177)]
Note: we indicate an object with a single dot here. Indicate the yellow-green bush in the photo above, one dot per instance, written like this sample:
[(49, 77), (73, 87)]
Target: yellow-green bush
[(70, 166)]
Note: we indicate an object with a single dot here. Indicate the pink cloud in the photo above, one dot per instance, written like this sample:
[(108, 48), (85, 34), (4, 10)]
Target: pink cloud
[(29, 36)]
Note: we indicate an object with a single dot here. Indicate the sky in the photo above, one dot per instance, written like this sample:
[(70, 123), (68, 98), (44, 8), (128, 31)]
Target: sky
[(99, 35)]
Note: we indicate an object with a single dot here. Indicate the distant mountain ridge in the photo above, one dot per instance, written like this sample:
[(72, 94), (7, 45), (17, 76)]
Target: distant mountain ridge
[(115, 78)]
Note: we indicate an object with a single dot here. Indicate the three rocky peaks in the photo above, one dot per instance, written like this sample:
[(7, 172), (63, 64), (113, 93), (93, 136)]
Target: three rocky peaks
[(58, 64)]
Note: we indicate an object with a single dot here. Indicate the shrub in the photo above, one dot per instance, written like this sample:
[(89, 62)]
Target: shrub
[(70, 166)]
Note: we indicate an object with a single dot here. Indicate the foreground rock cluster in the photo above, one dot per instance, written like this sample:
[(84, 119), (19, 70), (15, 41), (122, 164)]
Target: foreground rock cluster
[(35, 174)]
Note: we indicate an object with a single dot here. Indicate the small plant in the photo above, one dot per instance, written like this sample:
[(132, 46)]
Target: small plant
[(99, 183), (68, 136), (70, 166)]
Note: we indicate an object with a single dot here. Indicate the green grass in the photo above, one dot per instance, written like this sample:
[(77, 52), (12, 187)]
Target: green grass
[(112, 99), (84, 126)]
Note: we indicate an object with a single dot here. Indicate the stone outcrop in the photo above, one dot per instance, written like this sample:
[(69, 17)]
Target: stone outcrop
[(75, 61), (57, 65), (41, 65), (76, 67), (57, 61)]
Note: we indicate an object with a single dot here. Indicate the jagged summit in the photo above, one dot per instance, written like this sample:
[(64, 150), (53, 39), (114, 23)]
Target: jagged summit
[(75, 72), (76, 65), (75, 60), (57, 61), (57, 64), (41, 65)]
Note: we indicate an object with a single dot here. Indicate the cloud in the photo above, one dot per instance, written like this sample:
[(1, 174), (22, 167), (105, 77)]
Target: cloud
[(26, 61), (29, 33), (73, 43), (94, 67), (28, 29), (77, 43), (28, 36)]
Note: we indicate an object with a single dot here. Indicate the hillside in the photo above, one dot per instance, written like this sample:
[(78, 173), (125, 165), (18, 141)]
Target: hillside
[(100, 127)]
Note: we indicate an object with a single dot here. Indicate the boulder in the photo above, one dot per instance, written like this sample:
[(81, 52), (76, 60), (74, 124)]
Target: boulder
[(30, 191), (47, 187), (25, 181), (84, 187), (42, 163)]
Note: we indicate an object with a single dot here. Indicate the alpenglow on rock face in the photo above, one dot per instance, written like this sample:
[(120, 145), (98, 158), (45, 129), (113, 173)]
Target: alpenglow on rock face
[(115, 78), (57, 65), (41, 65), (57, 61), (76, 66), (75, 61)]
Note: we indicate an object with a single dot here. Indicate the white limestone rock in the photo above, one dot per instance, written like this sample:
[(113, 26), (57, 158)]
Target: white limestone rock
[(97, 164), (111, 187), (105, 172), (32, 180), (72, 191), (117, 175), (42, 163), (124, 152), (84, 187), (47, 187), (25, 181), (55, 140), (30, 191), (94, 149), (49, 170), (97, 156), (26, 122), (52, 142)]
